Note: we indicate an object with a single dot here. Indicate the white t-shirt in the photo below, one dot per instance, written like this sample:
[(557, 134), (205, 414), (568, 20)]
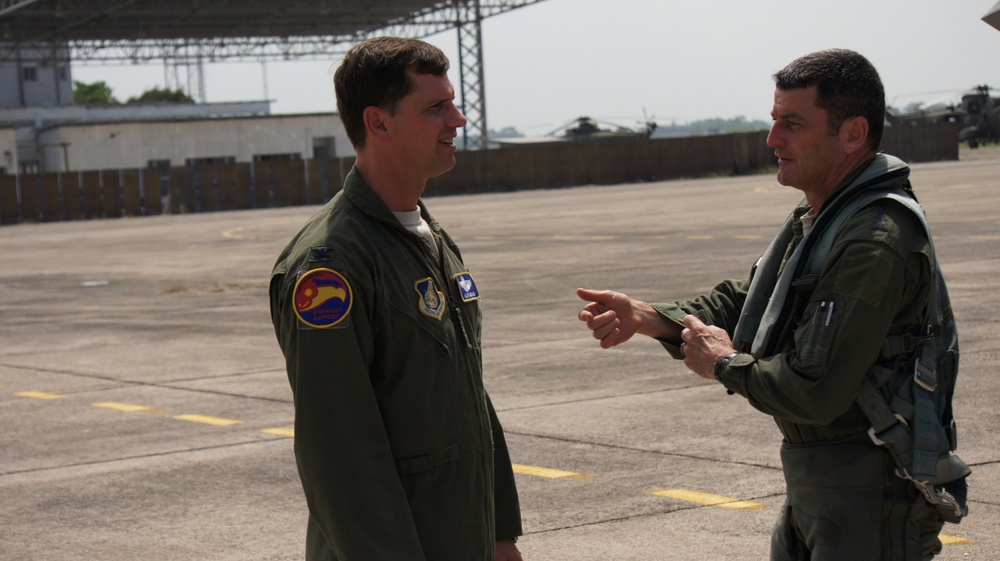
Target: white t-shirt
[(414, 222)]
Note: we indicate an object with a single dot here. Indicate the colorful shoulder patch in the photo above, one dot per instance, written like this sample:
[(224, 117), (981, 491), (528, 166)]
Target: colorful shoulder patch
[(323, 298), (467, 287), (431, 302)]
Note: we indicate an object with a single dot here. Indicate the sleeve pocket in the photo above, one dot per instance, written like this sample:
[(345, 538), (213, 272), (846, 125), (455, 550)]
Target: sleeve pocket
[(427, 462)]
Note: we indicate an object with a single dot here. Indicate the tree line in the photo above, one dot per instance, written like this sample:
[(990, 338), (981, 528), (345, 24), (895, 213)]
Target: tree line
[(99, 93)]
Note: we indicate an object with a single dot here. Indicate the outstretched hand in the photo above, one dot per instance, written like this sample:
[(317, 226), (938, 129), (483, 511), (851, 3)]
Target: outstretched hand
[(612, 316)]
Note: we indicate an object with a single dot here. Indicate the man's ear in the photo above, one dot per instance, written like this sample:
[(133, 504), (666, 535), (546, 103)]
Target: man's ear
[(375, 122), (854, 134)]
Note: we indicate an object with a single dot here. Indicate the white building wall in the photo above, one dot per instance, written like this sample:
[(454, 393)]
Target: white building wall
[(130, 145), (46, 116), (49, 80)]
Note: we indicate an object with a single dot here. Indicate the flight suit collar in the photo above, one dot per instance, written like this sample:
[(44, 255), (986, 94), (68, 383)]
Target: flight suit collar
[(361, 195)]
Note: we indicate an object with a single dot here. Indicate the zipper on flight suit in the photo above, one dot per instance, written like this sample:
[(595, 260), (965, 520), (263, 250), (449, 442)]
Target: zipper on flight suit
[(440, 277), (450, 294)]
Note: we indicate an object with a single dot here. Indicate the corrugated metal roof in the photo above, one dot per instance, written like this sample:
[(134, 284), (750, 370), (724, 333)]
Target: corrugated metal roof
[(32, 21)]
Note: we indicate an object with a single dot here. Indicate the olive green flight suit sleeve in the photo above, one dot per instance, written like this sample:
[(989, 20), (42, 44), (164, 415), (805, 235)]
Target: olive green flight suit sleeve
[(344, 459), (720, 308), (506, 504), (875, 283)]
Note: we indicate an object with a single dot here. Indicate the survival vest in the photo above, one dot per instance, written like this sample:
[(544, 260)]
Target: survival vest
[(907, 394)]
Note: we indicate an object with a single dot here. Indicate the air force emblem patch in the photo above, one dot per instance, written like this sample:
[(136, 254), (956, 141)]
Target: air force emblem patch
[(467, 287), (323, 298), (431, 302)]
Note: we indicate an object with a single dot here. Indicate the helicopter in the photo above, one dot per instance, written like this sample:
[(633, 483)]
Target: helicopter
[(583, 129), (978, 115)]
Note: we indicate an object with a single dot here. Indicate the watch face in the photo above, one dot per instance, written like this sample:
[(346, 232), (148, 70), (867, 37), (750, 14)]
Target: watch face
[(720, 367)]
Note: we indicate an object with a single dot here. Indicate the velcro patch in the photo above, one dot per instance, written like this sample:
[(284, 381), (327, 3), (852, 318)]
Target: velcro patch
[(323, 298), (431, 302), (857, 278), (467, 287)]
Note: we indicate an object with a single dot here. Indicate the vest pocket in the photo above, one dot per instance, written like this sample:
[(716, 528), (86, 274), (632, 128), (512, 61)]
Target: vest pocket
[(815, 334)]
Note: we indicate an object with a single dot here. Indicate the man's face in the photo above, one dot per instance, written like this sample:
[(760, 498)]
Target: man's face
[(424, 126), (810, 155)]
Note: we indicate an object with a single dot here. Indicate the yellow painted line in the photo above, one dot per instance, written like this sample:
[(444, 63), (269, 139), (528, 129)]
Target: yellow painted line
[(704, 498), (217, 421), (603, 238), (564, 238), (549, 472), (701, 237), (40, 395), (952, 540), (237, 233), (747, 237), (288, 433), (126, 407)]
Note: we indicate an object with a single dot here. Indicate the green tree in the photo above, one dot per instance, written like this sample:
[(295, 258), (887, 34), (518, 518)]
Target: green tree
[(155, 95), (95, 93)]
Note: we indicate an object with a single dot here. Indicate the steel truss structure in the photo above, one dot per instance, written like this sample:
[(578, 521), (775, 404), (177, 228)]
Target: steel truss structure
[(193, 32)]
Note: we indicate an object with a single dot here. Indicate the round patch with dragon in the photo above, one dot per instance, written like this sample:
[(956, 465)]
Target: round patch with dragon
[(322, 298)]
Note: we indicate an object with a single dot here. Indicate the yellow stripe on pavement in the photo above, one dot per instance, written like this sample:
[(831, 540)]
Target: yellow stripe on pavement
[(701, 237), (550, 473), (126, 407), (704, 498), (217, 421), (288, 433), (236, 233), (952, 540), (40, 395)]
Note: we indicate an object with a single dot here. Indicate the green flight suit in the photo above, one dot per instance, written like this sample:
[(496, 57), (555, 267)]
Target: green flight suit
[(844, 501), (398, 447)]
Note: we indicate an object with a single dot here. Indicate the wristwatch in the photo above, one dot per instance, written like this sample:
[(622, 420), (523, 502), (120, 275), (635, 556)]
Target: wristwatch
[(720, 367)]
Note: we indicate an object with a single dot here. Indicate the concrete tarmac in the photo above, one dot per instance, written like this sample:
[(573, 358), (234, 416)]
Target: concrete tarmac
[(146, 413)]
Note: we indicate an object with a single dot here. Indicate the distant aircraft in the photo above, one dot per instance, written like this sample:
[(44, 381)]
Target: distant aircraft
[(978, 115), (582, 129)]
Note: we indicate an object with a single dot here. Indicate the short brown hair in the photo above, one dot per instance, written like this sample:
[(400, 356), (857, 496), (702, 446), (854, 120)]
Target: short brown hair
[(376, 73), (847, 85)]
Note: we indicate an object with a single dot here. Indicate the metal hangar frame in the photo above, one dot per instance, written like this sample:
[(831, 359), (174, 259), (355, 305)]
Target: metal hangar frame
[(194, 31)]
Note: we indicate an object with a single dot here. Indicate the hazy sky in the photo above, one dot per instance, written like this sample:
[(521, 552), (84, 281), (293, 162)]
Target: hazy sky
[(613, 59)]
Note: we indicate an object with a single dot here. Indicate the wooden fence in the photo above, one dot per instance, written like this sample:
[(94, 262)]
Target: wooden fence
[(85, 195)]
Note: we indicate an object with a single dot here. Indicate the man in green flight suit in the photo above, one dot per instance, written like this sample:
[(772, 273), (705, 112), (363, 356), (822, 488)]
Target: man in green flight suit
[(804, 364), (398, 447)]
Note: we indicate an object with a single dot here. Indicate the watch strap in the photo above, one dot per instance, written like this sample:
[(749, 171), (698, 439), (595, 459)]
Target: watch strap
[(722, 364)]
